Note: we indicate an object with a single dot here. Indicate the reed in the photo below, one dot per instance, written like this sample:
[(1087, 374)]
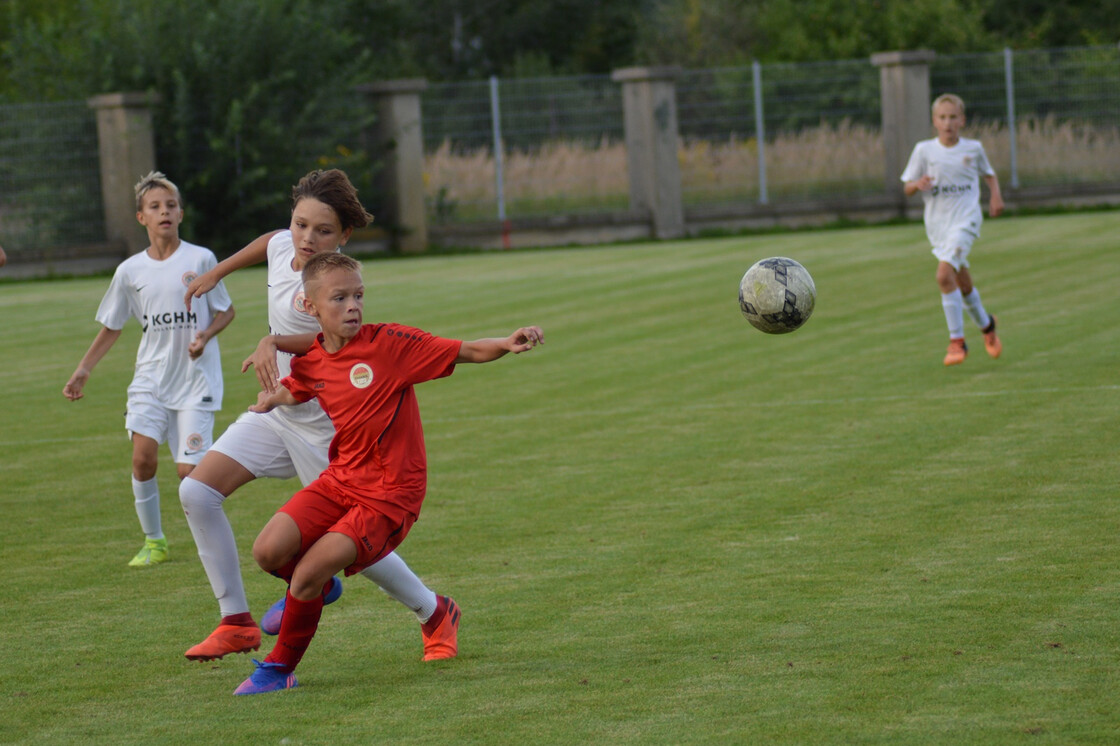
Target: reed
[(831, 159)]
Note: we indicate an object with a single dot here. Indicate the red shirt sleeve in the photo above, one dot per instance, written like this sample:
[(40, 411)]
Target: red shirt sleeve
[(419, 356), (299, 383)]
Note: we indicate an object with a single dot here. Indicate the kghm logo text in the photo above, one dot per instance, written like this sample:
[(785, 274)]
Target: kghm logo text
[(170, 320), (954, 189)]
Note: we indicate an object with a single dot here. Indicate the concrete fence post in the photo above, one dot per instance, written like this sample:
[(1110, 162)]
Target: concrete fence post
[(905, 99), (649, 101), (399, 136), (127, 148)]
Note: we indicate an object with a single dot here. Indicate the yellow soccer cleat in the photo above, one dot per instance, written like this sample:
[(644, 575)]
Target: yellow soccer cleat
[(153, 552)]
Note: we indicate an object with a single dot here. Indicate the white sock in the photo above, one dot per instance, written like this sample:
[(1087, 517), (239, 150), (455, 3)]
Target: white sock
[(976, 309), (147, 507), (217, 549), (395, 578), (953, 304)]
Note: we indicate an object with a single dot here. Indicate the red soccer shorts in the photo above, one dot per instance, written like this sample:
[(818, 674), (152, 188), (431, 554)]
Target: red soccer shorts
[(318, 509)]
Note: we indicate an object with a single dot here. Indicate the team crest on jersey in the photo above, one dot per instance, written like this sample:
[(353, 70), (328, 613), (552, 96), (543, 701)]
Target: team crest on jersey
[(967, 160), (361, 375), (188, 278), (299, 302)]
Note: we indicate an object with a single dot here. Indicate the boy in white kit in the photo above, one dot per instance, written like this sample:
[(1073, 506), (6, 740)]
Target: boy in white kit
[(177, 384), (290, 440), (947, 171)]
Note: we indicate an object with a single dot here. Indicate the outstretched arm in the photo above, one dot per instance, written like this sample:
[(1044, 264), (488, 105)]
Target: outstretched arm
[(263, 359), (220, 321), (101, 344), (492, 348), (255, 253)]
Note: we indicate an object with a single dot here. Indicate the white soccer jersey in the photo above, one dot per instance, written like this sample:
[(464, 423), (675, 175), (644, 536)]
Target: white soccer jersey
[(953, 204), (152, 291), (287, 315)]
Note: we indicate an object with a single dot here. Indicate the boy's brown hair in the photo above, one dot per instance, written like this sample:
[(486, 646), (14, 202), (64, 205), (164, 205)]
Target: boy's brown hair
[(333, 188)]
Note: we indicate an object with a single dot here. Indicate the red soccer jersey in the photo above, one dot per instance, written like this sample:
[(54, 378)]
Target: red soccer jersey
[(366, 388)]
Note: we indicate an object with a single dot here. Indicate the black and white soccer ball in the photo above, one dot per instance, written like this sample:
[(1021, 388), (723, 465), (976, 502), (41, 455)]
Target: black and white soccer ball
[(777, 295)]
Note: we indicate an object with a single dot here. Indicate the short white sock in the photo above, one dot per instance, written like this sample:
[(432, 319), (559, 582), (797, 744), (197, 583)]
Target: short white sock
[(147, 507), (953, 304), (401, 583), (976, 309), (217, 548)]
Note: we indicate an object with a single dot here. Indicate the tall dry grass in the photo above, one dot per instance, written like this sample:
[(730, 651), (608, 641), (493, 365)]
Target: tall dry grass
[(829, 159)]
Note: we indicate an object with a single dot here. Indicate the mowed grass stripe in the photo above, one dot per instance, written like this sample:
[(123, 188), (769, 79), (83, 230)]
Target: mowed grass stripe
[(663, 526)]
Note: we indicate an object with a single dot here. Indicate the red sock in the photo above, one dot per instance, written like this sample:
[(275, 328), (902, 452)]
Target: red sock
[(285, 573), (437, 615), (301, 619), (244, 619)]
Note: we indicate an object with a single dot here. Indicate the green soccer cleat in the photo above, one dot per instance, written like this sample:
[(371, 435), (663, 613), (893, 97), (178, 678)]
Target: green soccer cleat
[(153, 552)]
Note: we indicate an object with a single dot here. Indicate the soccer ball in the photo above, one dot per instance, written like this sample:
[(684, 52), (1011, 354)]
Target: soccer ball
[(777, 295)]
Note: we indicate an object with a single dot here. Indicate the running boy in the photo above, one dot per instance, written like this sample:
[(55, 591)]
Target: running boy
[(287, 441), (364, 504), (177, 384), (947, 171)]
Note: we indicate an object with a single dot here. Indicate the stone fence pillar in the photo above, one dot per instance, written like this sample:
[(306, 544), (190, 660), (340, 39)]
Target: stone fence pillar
[(649, 102), (905, 102), (127, 147), (398, 135)]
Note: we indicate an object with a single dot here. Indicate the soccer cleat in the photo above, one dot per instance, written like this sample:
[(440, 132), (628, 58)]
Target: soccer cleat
[(991, 339), (957, 352), (270, 622), (443, 641), (153, 552), (226, 639), (267, 677)]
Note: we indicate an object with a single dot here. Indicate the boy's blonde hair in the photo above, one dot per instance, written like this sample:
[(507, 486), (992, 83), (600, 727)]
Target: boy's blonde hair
[(948, 98), (320, 264), (154, 180)]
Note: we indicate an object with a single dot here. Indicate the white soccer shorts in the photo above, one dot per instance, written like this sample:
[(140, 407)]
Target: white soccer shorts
[(189, 433), (956, 249), (268, 445)]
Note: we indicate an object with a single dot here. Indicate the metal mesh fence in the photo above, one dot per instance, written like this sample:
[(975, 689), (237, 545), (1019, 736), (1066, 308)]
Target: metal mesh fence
[(562, 148), (1065, 105), (819, 133), (50, 188), (776, 133)]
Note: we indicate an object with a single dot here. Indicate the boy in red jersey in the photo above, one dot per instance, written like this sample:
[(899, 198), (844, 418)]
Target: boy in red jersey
[(364, 504)]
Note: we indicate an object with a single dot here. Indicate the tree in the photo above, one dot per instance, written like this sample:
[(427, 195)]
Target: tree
[(713, 33), (254, 93)]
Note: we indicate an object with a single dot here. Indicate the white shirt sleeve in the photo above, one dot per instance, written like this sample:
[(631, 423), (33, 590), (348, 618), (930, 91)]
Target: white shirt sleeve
[(916, 166), (218, 298), (983, 166), (118, 305)]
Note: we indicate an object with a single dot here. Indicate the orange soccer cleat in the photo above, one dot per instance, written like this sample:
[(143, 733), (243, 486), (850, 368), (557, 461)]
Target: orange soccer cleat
[(957, 352), (226, 639), (441, 639), (991, 339)]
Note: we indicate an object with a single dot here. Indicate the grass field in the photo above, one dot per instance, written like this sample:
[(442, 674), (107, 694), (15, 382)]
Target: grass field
[(662, 527)]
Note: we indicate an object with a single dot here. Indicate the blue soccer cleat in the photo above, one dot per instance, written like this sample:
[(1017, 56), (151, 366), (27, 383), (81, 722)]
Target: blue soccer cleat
[(270, 622), (268, 677)]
